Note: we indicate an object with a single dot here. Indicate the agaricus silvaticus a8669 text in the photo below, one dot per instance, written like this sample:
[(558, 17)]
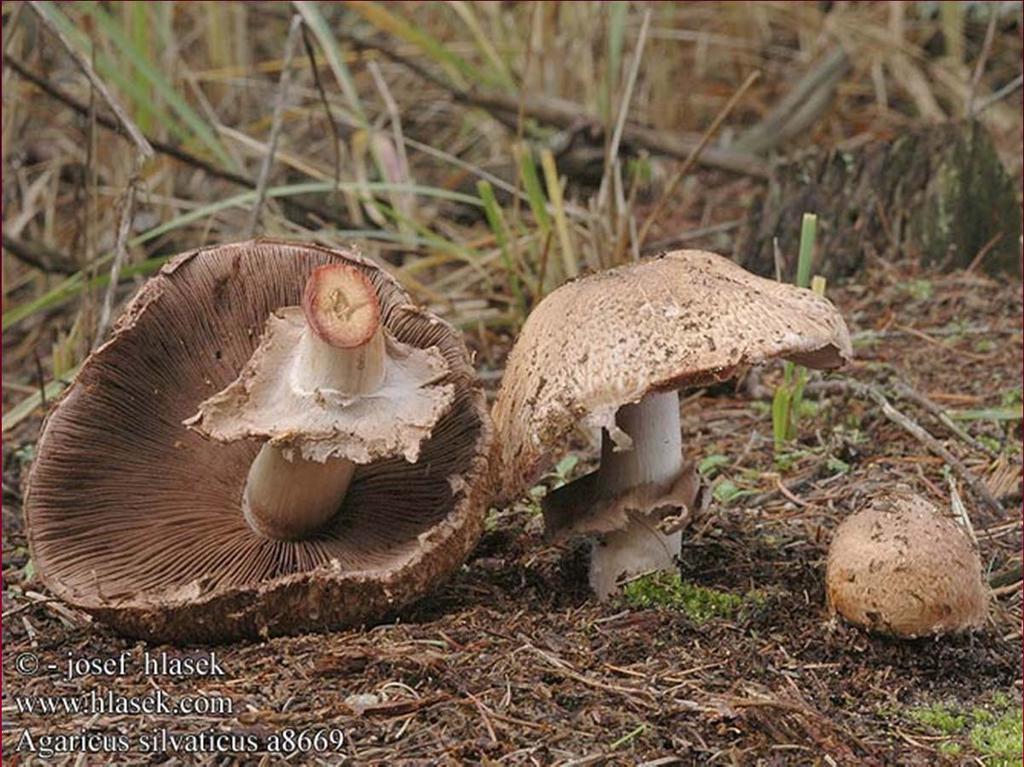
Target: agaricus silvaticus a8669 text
[(329, 472), (610, 351), (900, 567)]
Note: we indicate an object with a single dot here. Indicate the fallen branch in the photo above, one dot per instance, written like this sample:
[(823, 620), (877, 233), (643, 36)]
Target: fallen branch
[(905, 392), (918, 432), (1011, 576), (565, 114), (800, 108), (38, 256)]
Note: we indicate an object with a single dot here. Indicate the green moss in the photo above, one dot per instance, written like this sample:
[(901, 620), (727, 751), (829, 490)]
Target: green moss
[(993, 732), (998, 736), (950, 748), (698, 603), (939, 717)]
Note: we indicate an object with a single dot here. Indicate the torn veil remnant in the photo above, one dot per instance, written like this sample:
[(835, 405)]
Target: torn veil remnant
[(342, 479), (900, 567), (610, 351)]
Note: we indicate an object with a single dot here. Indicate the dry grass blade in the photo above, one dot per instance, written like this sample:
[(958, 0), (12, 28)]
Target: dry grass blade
[(120, 255), (294, 30), (620, 122), (1007, 90), (979, 67), (694, 156), (318, 25), (566, 114)]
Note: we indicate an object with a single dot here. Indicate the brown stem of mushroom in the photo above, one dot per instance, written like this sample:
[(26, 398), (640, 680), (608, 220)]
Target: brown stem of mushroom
[(656, 457), (288, 497)]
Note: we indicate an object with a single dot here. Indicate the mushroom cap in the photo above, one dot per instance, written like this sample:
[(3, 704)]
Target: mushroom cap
[(138, 520), (687, 318), (900, 567), (319, 424)]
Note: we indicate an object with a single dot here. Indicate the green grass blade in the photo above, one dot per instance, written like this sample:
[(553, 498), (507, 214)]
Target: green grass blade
[(808, 231), (547, 161), (531, 185), (497, 222), (74, 285), (431, 239), (154, 77), (503, 75), (27, 406), (780, 416), (616, 36), (137, 24)]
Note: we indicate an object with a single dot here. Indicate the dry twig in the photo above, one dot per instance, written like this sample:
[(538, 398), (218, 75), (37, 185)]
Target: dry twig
[(904, 391), (918, 432), (567, 114), (142, 144), (275, 127), (41, 257), (695, 154), (163, 147), (124, 227)]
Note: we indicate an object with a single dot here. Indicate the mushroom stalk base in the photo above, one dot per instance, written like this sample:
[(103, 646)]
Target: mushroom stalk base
[(656, 457), (286, 496)]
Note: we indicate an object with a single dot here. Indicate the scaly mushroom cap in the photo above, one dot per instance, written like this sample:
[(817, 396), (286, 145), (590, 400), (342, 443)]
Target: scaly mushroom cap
[(137, 519), (900, 567), (688, 318)]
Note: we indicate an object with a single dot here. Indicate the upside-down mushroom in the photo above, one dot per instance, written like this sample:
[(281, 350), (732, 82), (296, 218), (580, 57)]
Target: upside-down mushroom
[(342, 479), (900, 567), (610, 351)]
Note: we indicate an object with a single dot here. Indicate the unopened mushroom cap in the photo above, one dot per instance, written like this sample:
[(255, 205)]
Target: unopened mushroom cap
[(137, 519), (319, 423), (688, 318), (900, 567)]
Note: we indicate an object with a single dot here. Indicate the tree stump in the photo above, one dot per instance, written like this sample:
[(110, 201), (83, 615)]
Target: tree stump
[(940, 194)]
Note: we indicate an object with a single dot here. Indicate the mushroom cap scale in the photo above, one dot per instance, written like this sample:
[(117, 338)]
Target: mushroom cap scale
[(900, 567), (136, 518), (688, 318)]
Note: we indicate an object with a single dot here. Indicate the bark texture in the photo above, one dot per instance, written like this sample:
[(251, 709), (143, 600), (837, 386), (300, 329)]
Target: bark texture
[(940, 194)]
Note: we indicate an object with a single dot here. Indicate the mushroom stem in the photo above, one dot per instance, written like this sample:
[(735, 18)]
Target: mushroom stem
[(286, 496), (656, 457)]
